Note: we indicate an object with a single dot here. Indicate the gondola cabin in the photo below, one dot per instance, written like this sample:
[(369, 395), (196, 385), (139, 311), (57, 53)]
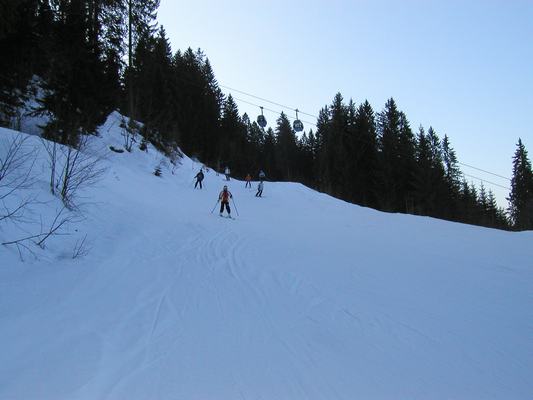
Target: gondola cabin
[(261, 121)]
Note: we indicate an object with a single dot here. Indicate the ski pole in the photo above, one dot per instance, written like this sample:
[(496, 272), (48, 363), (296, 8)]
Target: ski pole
[(214, 207), (234, 205)]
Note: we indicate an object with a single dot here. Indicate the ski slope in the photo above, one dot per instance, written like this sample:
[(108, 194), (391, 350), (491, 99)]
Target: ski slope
[(302, 296)]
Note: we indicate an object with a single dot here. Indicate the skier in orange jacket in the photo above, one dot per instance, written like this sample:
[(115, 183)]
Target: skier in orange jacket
[(224, 197)]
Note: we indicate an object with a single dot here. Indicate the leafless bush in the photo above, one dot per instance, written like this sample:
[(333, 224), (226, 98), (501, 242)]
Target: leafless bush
[(60, 221), (72, 169), (129, 130), (16, 166)]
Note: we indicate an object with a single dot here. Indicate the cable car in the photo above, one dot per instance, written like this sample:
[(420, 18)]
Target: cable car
[(297, 125), (261, 120)]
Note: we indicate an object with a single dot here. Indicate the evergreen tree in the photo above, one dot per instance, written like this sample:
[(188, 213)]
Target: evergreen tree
[(269, 155), (109, 34), (521, 196), (23, 25), (286, 148), (423, 175), (211, 105), (432, 193), (388, 128), (405, 166), (306, 159), (141, 15), (363, 157), (332, 128), (322, 134), (233, 138), (73, 96)]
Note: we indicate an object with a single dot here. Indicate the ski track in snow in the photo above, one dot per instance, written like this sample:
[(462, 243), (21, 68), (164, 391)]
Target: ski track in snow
[(301, 297)]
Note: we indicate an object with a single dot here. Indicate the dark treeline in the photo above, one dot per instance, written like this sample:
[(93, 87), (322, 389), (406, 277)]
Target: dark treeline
[(92, 57)]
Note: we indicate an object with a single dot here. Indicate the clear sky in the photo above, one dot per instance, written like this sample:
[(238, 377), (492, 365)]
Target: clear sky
[(463, 67)]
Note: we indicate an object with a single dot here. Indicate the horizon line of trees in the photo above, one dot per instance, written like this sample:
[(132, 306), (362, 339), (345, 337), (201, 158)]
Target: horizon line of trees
[(94, 56)]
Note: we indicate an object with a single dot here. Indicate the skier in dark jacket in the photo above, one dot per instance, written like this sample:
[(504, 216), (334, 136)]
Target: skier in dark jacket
[(199, 178), (259, 189), (224, 197)]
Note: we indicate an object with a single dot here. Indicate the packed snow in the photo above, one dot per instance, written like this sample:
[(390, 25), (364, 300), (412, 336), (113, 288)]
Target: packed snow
[(302, 296)]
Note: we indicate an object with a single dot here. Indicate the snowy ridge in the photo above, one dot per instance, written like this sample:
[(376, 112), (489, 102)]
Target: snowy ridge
[(303, 296)]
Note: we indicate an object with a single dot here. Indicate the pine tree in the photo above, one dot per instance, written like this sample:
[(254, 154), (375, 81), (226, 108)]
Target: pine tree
[(233, 138), (332, 130), (110, 33), (306, 159), (422, 177), (451, 168), (269, 155), (322, 133), (406, 165), (211, 105), (73, 95), (22, 25), (363, 157), (286, 148), (493, 214), (141, 15), (483, 200), (521, 196), (388, 128)]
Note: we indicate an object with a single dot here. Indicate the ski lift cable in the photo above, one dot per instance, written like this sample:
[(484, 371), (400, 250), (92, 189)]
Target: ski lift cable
[(273, 111), (485, 181), (485, 171), (268, 101)]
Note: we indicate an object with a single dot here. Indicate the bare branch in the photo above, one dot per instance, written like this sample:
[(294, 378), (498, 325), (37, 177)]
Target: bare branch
[(60, 221), (17, 213), (80, 248), (16, 164), (56, 225)]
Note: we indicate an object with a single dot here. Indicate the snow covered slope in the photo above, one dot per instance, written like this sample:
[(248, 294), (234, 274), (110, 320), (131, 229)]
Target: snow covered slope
[(301, 297)]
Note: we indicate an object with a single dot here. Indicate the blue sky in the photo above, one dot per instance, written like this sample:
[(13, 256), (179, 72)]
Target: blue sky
[(463, 67)]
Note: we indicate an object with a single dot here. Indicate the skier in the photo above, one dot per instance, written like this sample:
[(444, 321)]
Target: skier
[(227, 172), (199, 178), (261, 175), (259, 189), (224, 197), (248, 179)]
